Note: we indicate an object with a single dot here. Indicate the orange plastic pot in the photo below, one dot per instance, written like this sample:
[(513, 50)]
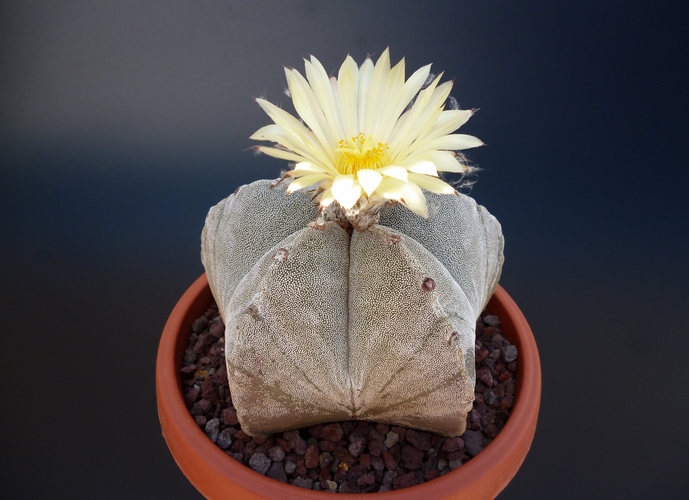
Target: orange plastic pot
[(218, 476)]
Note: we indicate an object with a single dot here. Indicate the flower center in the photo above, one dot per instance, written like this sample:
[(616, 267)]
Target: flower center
[(360, 152)]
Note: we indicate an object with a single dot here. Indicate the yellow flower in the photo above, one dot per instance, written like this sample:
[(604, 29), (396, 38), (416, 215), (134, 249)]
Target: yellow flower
[(361, 140)]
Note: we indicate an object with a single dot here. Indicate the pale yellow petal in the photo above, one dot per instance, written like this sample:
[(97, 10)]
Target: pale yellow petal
[(432, 184), (279, 153), (369, 179), (449, 121), (444, 161), (289, 141), (365, 74), (423, 122), (453, 142), (403, 133), (388, 111), (347, 86), (394, 171), (305, 181), (409, 194), (283, 119), (423, 167), (415, 200), (309, 109), (326, 198), (390, 188), (310, 167), (346, 190), (311, 147), (376, 92), (320, 83)]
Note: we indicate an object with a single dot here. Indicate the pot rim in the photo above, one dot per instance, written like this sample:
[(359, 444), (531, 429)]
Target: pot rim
[(217, 475)]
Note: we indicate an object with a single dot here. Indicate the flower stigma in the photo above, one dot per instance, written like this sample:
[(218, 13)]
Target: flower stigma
[(360, 152)]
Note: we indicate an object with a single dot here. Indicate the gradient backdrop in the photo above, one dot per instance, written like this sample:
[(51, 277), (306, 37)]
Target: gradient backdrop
[(122, 122)]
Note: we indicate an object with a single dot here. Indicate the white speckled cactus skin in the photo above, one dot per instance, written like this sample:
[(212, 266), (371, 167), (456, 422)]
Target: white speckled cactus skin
[(323, 325)]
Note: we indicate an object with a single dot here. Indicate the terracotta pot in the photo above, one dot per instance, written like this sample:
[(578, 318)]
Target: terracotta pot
[(217, 475)]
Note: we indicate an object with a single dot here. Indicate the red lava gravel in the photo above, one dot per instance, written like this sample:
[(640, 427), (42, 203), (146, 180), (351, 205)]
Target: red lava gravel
[(352, 456)]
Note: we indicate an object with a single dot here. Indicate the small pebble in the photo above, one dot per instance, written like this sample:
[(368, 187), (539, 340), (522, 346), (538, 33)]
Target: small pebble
[(455, 464), (391, 439), (332, 432), (290, 467), (325, 459), (357, 444), (367, 479), (260, 463), (276, 453), (376, 447), (311, 456), (509, 353), (199, 325), (389, 477), (491, 320), (277, 472), (453, 444), (489, 397), (390, 462), (411, 457), (225, 439), (405, 481), (419, 439), (484, 375), (303, 482), (213, 429), (474, 442), (229, 416)]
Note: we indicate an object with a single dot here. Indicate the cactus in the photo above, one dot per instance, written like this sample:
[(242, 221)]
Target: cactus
[(323, 325), (357, 298)]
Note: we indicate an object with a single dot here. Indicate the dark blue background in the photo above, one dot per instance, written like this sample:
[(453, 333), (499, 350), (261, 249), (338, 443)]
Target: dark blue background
[(122, 122)]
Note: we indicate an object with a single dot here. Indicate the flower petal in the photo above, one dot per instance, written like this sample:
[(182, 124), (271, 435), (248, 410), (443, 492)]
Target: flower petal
[(376, 92), (424, 167), (346, 191), (305, 181), (323, 91), (309, 109), (365, 74), (453, 142), (432, 184), (390, 188), (310, 167), (347, 86), (406, 130), (415, 200), (280, 153), (444, 161), (394, 171), (369, 179), (388, 111), (311, 148), (326, 198), (449, 121), (409, 194)]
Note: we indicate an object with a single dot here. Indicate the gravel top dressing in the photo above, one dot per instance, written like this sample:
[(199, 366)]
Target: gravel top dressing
[(352, 456)]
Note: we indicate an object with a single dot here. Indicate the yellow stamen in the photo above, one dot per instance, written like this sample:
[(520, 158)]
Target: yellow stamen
[(360, 152)]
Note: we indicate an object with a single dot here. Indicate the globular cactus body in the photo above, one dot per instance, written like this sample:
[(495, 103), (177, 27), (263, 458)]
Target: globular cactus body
[(325, 324)]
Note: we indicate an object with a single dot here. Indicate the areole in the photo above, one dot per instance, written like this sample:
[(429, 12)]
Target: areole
[(218, 476)]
